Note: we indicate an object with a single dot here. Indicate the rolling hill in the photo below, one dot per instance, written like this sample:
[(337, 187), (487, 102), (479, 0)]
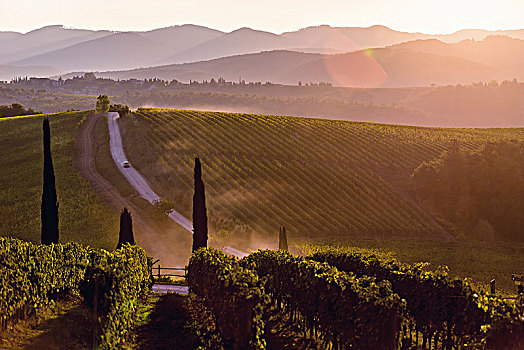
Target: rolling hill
[(500, 52), (183, 37), (417, 63), (240, 41), (345, 39), (6, 36), (124, 49), (84, 217), (110, 52), (19, 46), (391, 68), (319, 178), (264, 66)]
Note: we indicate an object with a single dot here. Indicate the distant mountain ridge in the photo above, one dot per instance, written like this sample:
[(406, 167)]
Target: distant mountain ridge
[(66, 49), (415, 63)]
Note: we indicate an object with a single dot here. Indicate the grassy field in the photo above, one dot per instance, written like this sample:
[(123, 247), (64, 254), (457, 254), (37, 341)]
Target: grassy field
[(319, 178), (84, 217)]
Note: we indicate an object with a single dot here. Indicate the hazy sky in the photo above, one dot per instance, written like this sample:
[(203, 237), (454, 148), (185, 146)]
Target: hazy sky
[(435, 16)]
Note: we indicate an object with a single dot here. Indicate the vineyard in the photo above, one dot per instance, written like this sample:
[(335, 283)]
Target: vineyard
[(350, 300), (84, 217), (319, 178), (334, 299), (110, 283)]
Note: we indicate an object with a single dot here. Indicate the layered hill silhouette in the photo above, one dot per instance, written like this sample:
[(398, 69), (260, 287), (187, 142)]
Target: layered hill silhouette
[(122, 50), (500, 52), (241, 41), (415, 63), (17, 47), (67, 50)]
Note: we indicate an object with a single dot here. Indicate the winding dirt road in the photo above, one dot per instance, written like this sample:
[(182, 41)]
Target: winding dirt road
[(136, 180), (145, 235)]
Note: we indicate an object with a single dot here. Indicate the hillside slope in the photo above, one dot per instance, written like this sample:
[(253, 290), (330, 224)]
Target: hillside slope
[(129, 50), (240, 41), (84, 217), (500, 52), (319, 178), (391, 67), (263, 66)]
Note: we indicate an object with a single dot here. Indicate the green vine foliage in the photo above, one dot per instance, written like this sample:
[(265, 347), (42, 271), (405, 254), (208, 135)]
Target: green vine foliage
[(439, 307), (113, 284), (337, 307), (32, 275), (234, 294)]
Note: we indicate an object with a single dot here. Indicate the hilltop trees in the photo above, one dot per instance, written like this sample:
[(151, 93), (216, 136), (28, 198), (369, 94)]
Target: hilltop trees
[(199, 210), (102, 104), (126, 229), (49, 208), (122, 110), (16, 109)]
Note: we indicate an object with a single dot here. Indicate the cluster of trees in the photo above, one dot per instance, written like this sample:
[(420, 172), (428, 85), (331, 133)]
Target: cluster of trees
[(482, 193), (16, 109), (313, 84), (102, 104), (123, 110)]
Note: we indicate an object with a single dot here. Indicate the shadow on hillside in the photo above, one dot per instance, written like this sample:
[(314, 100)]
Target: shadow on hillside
[(70, 330), (168, 326)]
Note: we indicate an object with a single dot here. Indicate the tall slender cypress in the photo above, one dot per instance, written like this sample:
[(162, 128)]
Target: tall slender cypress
[(49, 209), (282, 239), (199, 210), (126, 229)]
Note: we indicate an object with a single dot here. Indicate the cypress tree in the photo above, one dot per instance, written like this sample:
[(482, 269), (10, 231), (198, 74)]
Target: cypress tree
[(199, 210), (49, 208), (126, 229), (282, 239)]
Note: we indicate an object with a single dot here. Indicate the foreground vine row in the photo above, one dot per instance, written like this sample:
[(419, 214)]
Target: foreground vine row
[(350, 301), (439, 307), (111, 283)]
